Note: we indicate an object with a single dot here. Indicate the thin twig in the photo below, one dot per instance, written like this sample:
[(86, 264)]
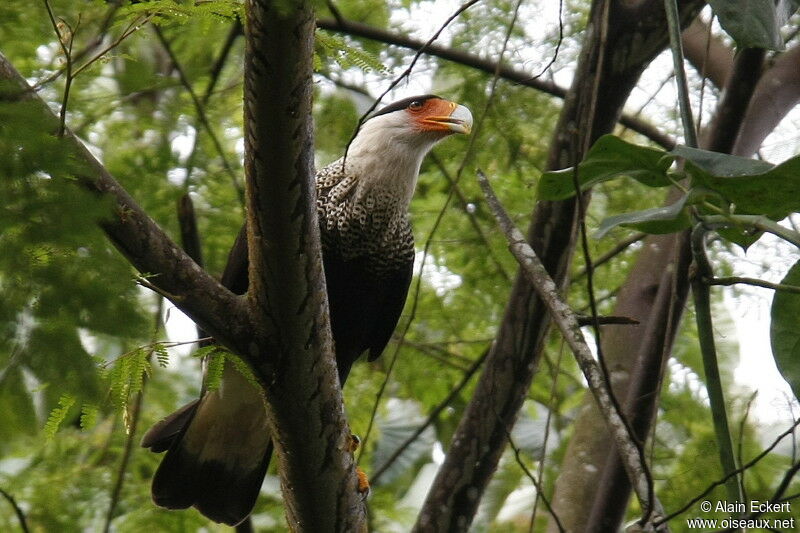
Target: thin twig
[(724, 479), (135, 414), (97, 40), (536, 484), (673, 22), (567, 323), (23, 524), (201, 112), (758, 222), (546, 439), (132, 28), (66, 49), (619, 248), (471, 216), (740, 443), (777, 495), (598, 320), (736, 280), (558, 43), (214, 76), (432, 417)]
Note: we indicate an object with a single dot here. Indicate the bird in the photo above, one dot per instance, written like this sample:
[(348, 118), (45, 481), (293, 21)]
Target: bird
[(218, 447)]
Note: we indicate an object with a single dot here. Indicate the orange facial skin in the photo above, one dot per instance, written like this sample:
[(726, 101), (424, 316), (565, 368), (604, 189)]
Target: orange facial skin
[(434, 114)]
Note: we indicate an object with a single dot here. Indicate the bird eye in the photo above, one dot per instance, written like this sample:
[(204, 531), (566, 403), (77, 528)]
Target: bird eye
[(416, 105)]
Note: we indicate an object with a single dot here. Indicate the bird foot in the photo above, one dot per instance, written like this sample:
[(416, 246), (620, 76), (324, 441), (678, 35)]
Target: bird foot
[(363, 481)]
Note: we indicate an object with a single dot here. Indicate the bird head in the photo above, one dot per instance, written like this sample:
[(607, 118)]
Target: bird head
[(408, 129), (389, 148), (420, 120)]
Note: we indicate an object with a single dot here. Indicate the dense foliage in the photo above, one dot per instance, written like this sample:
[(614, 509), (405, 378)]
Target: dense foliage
[(89, 358)]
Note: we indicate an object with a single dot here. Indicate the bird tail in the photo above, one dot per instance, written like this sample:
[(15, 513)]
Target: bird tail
[(218, 449)]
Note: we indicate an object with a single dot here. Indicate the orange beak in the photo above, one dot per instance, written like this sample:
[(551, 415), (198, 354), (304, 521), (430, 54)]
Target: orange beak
[(446, 116)]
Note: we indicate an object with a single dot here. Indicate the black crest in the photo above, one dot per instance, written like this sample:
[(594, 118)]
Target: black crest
[(403, 104)]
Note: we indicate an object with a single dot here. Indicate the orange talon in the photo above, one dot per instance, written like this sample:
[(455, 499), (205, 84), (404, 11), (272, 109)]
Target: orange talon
[(363, 481)]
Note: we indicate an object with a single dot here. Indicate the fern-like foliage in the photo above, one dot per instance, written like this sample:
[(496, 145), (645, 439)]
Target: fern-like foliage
[(215, 365), (161, 354), (57, 415), (242, 368), (336, 48), (216, 359), (160, 11), (126, 375)]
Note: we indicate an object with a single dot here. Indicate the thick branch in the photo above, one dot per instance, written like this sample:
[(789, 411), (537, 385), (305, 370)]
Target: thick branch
[(286, 282), (654, 292), (137, 236), (777, 93), (620, 43), (707, 53), (568, 325), (485, 65)]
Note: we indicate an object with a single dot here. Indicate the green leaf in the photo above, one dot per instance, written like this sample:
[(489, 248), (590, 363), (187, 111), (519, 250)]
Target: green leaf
[(58, 415), (657, 220), (753, 187), (722, 165), (754, 23), (89, 413), (610, 157), (242, 368), (215, 365), (785, 330), (162, 355)]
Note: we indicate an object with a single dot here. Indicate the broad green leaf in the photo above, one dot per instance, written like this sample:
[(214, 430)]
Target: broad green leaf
[(610, 157), (722, 165), (657, 220), (753, 187), (754, 23), (785, 330)]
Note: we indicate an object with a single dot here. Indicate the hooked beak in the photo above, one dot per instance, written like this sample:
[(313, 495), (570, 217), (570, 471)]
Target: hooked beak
[(458, 121)]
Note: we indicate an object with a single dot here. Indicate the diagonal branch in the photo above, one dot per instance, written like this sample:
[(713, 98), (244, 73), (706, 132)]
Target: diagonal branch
[(599, 90), (136, 235), (567, 323), (488, 66)]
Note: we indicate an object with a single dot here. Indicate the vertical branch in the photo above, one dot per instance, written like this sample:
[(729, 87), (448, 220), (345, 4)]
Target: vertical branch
[(673, 22), (705, 332), (286, 280), (66, 37)]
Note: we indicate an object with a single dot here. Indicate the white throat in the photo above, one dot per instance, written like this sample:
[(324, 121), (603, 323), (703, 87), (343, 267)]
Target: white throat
[(386, 156)]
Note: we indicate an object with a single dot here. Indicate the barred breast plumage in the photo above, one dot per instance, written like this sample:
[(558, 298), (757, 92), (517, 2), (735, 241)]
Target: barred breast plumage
[(219, 446)]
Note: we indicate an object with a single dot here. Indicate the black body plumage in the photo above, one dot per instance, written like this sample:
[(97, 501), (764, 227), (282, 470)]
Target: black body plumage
[(218, 447)]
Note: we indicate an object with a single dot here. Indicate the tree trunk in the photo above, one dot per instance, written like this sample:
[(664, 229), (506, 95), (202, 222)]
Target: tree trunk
[(286, 293), (654, 294), (620, 42)]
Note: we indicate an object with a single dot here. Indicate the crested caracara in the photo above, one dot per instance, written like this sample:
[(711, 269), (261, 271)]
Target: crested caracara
[(218, 447)]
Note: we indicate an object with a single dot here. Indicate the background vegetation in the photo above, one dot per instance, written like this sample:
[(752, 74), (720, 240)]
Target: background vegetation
[(89, 358)]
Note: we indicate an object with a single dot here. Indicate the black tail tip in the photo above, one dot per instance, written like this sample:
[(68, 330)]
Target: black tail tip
[(221, 492)]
